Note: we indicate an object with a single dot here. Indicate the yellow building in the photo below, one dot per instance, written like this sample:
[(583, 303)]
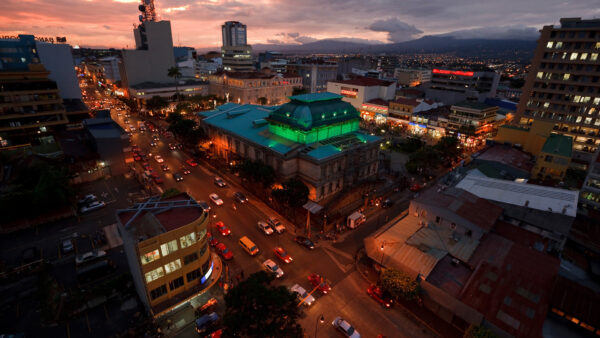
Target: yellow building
[(554, 157), (166, 247)]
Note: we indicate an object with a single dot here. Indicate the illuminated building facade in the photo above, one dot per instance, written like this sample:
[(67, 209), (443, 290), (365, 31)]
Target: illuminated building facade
[(167, 250), (249, 87), (362, 89), (314, 137), (409, 77), (452, 86), (236, 52), (314, 73), (472, 121)]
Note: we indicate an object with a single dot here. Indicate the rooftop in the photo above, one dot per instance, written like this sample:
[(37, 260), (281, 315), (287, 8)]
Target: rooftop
[(561, 145), (406, 101), (150, 85), (366, 82), (507, 155), (472, 105), (378, 101)]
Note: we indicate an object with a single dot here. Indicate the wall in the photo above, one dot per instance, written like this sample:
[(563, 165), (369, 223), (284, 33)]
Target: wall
[(58, 60)]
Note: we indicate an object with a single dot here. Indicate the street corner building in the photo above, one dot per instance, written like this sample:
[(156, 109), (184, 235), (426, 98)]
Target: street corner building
[(167, 251), (314, 137)]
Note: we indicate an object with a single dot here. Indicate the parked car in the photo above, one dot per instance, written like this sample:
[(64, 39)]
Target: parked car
[(381, 296), (240, 197), (265, 228), (305, 242), (276, 225), (272, 267), (282, 255), (303, 295), (211, 240), (222, 228), (89, 256), (219, 182), (185, 170), (92, 206), (178, 177), (204, 322), (158, 159), (415, 187), (321, 283), (191, 163), (67, 246), (344, 327), (87, 199), (387, 203), (215, 199), (223, 251)]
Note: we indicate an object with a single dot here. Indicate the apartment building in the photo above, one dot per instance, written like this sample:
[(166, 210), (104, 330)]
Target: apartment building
[(563, 85), (314, 73), (473, 118)]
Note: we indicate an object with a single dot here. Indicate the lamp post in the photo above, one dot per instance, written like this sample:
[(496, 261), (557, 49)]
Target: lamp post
[(381, 248), (321, 320)]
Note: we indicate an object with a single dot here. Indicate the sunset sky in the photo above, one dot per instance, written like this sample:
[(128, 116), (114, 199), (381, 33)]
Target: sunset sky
[(108, 23)]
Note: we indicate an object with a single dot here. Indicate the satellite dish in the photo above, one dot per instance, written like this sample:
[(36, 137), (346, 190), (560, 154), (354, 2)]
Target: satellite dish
[(142, 8)]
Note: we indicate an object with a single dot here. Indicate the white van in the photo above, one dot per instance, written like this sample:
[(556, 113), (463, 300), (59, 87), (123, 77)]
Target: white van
[(356, 219)]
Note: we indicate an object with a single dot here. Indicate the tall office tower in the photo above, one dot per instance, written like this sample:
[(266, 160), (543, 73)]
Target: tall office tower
[(563, 88), (236, 53)]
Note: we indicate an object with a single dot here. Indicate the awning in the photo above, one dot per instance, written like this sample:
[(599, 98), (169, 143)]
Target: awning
[(313, 207)]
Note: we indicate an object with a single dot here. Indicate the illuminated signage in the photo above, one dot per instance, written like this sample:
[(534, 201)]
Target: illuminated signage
[(452, 72), (349, 92), (417, 125), (205, 277), (59, 39)]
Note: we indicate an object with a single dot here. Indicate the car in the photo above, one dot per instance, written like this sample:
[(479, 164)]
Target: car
[(240, 197), (265, 228), (282, 255), (178, 177), (211, 240), (204, 206), (137, 158), (272, 267), (153, 144), (380, 295), (344, 327), (204, 322), (215, 199), (415, 187), (387, 203), (155, 137), (222, 228), (276, 224), (191, 163), (305, 242), (165, 167), (89, 256), (172, 146), (223, 251), (185, 171), (321, 283), (158, 180), (92, 206), (219, 182), (147, 166), (158, 158), (87, 199), (302, 295), (67, 246)]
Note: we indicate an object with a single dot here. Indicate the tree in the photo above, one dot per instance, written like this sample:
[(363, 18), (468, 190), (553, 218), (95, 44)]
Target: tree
[(299, 91), (262, 100), (257, 171), (293, 194), (183, 107), (449, 147), (174, 117), (175, 73), (156, 103), (399, 284), (478, 331), (170, 193), (257, 309)]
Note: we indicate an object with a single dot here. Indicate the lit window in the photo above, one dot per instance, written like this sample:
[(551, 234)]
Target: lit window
[(593, 56), (583, 56), (578, 119), (574, 56), (549, 44), (596, 101), (154, 274), (566, 76), (588, 120), (558, 45), (150, 257), (540, 75), (201, 235), (168, 248), (187, 240), (173, 266)]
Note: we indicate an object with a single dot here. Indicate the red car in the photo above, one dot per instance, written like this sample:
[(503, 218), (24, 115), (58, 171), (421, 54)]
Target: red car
[(158, 180), (137, 158), (320, 282), (223, 251), (223, 229), (281, 254), (380, 296), (146, 166), (191, 163), (211, 240), (415, 187)]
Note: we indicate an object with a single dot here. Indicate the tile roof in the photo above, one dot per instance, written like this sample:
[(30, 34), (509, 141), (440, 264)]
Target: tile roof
[(561, 145)]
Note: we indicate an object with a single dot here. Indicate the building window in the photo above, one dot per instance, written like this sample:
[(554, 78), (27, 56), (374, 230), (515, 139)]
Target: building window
[(201, 235), (190, 258), (193, 275), (203, 250), (187, 240), (150, 257), (154, 274), (176, 283), (159, 291), (437, 219), (173, 266), (168, 248)]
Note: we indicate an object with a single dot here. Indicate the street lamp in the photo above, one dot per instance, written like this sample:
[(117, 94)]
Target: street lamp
[(321, 320)]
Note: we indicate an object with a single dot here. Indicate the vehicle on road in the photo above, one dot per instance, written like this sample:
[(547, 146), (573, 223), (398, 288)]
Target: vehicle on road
[(87, 199), (204, 322), (92, 206), (215, 199), (212, 241), (67, 246), (164, 167), (275, 223), (222, 228), (282, 255), (172, 146), (158, 180), (415, 187), (272, 267), (137, 158), (178, 177), (240, 197), (305, 242), (248, 246), (321, 283), (219, 182), (303, 296), (185, 171), (153, 144), (355, 219), (192, 163), (158, 158), (381, 296), (387, 203), (344, 327), (223, 251), (204, 206), (265, 228), (89, 257)]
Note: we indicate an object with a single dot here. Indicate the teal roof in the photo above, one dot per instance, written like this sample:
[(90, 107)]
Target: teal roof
[(221, 108), (308, 111), (324, 152), (561, 145)]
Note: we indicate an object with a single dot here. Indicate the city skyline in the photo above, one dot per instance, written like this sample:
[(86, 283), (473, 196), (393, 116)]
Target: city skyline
[(198, 23)]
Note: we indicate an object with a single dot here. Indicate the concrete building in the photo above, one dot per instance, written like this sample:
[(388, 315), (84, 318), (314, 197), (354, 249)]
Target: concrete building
[(110, 66), (452, 86), (189, 87), (471, 118), (411, 77), (554, 158), (589, 198), (236, 53), (401, 109), (167, 250), (362, 89), (249, 87), (110, 142), (314, 73), (562, 84), (314, 137)]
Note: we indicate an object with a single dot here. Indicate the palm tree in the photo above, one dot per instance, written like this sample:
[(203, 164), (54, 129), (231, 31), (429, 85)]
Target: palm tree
[(175, 73)]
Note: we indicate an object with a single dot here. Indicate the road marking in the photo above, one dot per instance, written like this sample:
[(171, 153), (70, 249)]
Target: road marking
[(342, 267)]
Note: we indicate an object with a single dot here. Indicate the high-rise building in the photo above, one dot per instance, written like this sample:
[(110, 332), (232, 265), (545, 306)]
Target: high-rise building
[(315, 73), (563, 85), (236, 53)]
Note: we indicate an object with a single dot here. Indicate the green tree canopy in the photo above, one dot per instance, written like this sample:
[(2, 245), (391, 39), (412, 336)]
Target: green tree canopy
[(262, 100), (174, 117), (449, 147), (257, 309), (293, 194), (156, 103), (399, 284)]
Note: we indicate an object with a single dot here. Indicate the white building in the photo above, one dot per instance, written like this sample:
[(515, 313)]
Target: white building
[(58, 59), (362, 89), (111, 68)]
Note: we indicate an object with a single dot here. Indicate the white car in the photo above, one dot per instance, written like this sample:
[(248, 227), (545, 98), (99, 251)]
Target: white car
[(265, 227), (215, 199), (344, 327), (303, 295), (159, 159), (89, 256), (276, 224), (89, 198), (273, 268), (220, 183), (92, 206)]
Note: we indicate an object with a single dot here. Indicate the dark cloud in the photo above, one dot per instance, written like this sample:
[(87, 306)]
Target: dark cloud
[(398, 31), (305, 39), (293, 35), (275, 41)]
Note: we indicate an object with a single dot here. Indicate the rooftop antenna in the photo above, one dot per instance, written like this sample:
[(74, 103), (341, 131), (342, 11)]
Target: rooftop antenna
[(148, 11)]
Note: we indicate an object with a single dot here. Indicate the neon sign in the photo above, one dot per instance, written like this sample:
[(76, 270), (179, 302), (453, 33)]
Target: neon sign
[(452, 72), (205, 277), (349, 93)]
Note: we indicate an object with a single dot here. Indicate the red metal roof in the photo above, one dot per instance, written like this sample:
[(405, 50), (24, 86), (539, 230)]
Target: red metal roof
[(576, 301)]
